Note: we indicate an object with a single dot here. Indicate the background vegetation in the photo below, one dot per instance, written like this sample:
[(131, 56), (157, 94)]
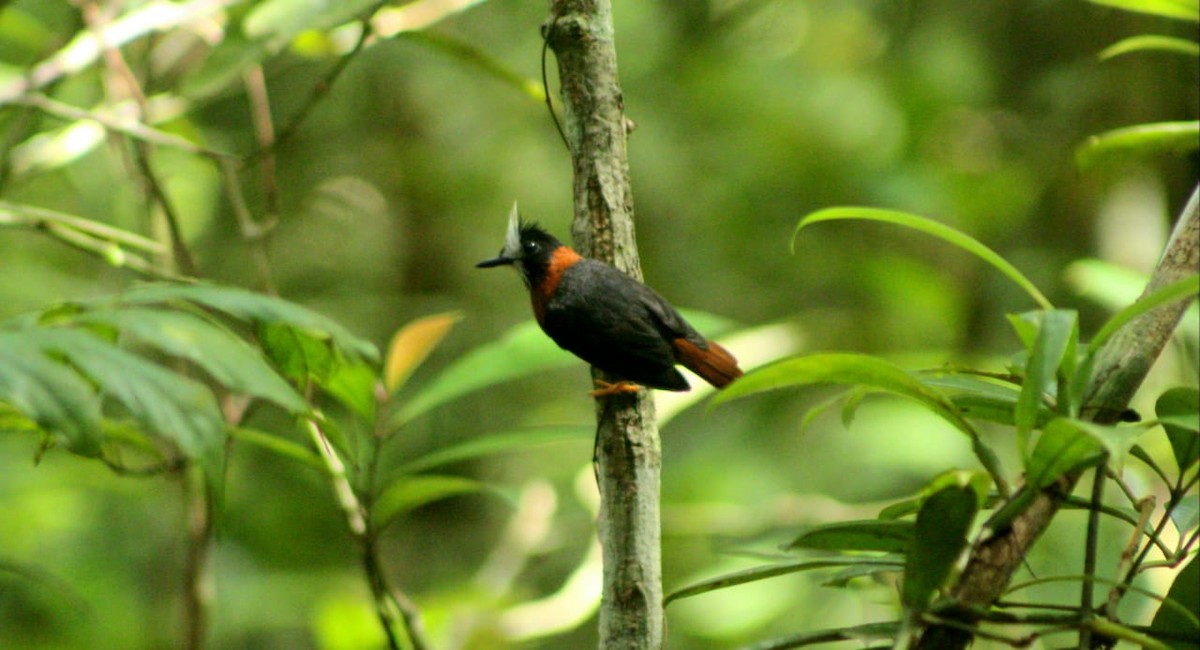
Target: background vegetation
[(749, 115)]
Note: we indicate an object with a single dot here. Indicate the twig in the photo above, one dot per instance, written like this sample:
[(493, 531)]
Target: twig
[(197, 594), (320, 90), (1086, 605)]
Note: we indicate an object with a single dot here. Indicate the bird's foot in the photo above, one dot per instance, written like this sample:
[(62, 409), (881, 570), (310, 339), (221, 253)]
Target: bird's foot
[(605, 389)]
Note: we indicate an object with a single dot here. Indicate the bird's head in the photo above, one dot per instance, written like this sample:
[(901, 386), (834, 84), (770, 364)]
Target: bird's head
[(527, 248)]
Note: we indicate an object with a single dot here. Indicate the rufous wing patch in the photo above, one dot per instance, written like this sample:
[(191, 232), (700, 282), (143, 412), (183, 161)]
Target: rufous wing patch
[(712, 362)]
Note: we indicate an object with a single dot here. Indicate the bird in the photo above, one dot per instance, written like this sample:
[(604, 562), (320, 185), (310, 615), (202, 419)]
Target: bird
[(608, 318)]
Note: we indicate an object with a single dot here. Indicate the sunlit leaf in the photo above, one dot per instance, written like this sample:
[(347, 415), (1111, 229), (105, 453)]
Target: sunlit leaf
[(1066, 445), (1151, 43), (278, 21), (1178, 410), (1175, 624), (939, 537), (230, 360), (49, 393), (865, 535), (754, 574), (933, 228), (1139, 140), (411, 492), (1181, 9), (412, 344)]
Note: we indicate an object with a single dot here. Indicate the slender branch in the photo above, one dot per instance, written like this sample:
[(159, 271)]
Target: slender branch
[(198, 590), (391, 604), (628, 450), (1120, 368)]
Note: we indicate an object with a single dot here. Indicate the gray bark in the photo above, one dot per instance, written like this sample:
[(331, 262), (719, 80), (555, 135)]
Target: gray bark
[(628, 452)]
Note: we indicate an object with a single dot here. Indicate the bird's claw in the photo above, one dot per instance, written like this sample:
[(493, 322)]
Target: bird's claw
[(605, 389)]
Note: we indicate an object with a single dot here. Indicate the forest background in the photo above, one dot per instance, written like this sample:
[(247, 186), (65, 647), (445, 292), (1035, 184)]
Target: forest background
[(396, 178)]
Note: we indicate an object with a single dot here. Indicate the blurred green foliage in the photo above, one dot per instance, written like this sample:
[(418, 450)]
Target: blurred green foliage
[(750, 114)]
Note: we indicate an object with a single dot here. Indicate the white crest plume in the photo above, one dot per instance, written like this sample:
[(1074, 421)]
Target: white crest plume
[(512, 238)]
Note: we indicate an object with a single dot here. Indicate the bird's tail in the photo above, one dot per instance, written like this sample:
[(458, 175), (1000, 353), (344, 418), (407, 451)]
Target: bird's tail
[(712, 362)]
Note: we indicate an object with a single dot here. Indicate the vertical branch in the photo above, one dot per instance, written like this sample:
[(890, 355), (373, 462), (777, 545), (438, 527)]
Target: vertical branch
[(628, 450), (1121, 366)]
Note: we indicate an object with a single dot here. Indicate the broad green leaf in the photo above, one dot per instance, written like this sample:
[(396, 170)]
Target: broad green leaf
[(1066, 445), (524, 350), (933, 228), (1180, 9), (857, 633), (1057, 332), (864, 535), (174, 407), (1151, 43), (353, 383), (412, 344), (754, 574), (977, 481), (1178, 410), (230, 360), (222, 67), (49, 393), (297, 354), (411, 492), (279, 21), (968, 384), (496, 444), (1185, 592), (250, 306), (1139, 140), (939, 537)]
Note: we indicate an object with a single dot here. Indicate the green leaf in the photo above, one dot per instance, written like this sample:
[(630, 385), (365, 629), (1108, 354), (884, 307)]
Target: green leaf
[(298, 355), (279, 21), (1180, 9), (1066, 445), (49, 393), (254, 307), (1186, 514), (1151, 43), (353, 383), (1178, 410), (841, 579), (411, 492), (861, 370), (933, 228), (939, 537), (228, 359), (496, 444), (467, 53), (1053, 346), (174, 407), (1172, 623), (1138, 140), (862, 535), (524, 350), (754, 574)]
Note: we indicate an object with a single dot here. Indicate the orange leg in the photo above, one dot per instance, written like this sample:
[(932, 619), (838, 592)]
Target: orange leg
[(604, 388)]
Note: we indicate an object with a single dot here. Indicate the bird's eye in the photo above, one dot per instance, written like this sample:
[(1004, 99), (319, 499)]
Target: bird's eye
[(530, 247)]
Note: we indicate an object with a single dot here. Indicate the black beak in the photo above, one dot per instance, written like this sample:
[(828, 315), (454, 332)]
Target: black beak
[(495, 261)]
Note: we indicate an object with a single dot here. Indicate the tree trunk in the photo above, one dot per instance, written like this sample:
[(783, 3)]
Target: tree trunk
[(628, 453)]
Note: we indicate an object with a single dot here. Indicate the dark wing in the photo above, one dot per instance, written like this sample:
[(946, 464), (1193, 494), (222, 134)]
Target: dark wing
[(616, 324)]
